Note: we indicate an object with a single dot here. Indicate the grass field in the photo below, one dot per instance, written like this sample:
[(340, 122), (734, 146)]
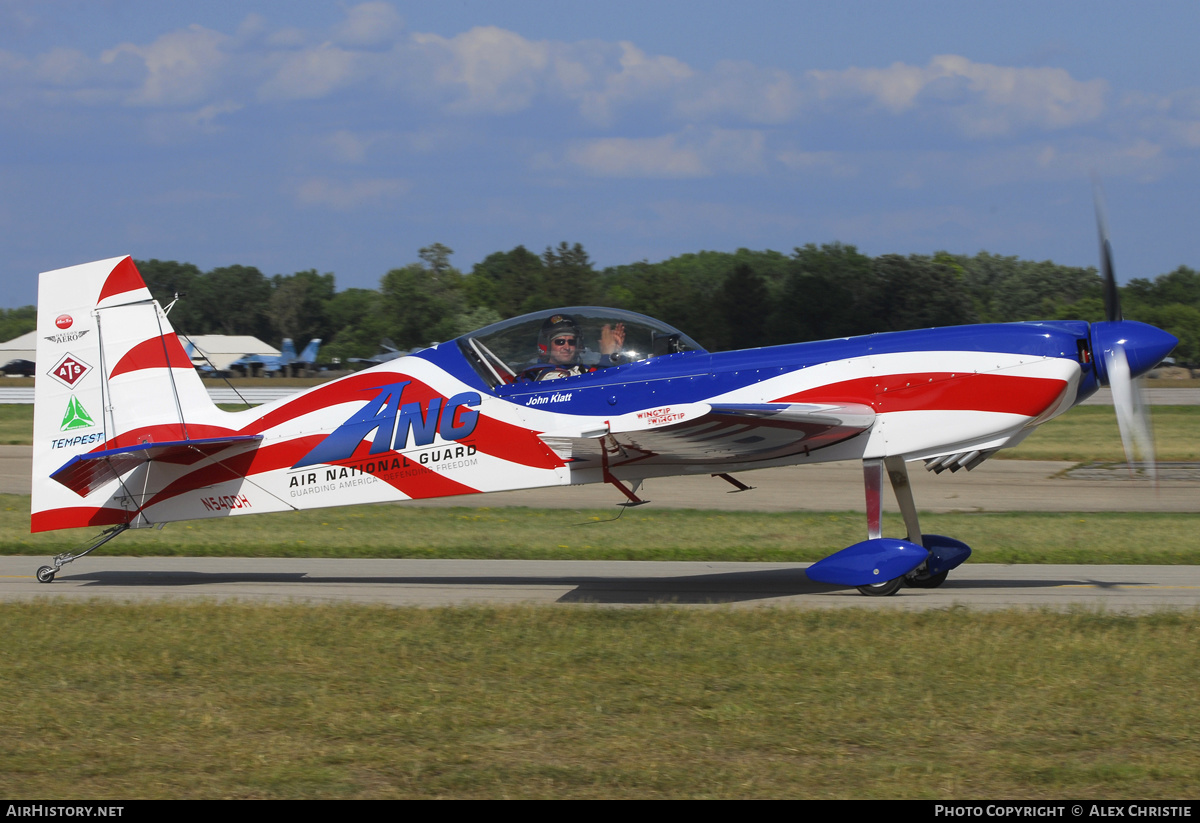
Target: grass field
[(1090, 433), (640, 534), (112, 701), (204, 701)]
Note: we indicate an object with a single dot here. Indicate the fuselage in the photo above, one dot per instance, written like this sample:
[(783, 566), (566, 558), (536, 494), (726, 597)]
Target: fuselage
[(465, 417)]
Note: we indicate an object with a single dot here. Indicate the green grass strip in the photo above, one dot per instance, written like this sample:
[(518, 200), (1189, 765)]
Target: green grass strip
[(399, 530), (237, 701)]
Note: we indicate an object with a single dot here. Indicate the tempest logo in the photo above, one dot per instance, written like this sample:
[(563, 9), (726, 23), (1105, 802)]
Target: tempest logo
[(394, 425), (76, 416)]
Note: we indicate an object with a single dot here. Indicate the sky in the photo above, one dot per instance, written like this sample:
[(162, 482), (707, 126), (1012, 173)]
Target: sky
[(343, 137)]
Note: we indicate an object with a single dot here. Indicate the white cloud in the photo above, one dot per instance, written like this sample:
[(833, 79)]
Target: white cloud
[(741, 90), (1171, 121), (350, 147), (688, 154), (205, 118), (312, 73), (348, 195), (172, 127), (835, 164), (488, 70), (636, 80), (982, 99), (369, 25), (287, 38), (640, 157), (1064, 160), (63, 67), (496, 70), (183, 66)]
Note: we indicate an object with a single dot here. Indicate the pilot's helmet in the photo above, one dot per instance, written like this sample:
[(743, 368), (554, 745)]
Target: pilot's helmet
[(555, 325)]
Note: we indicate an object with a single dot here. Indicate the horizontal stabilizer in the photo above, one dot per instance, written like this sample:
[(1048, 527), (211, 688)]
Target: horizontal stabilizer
[(85, 473)]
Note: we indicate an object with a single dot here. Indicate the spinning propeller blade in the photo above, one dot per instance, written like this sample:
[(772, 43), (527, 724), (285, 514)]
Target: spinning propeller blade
[(1132, 419), (1127, 350), (1112, 298)]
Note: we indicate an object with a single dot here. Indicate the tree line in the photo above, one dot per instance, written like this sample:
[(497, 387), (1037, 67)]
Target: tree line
[(725, 300)]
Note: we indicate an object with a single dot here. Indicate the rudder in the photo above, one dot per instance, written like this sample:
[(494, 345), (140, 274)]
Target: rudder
[(111, 373)]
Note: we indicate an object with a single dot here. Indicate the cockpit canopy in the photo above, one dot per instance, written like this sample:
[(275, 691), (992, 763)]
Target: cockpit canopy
[(509, 351)]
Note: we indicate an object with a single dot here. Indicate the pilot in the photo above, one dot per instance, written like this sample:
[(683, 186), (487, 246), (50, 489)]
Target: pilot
[(560, 346)]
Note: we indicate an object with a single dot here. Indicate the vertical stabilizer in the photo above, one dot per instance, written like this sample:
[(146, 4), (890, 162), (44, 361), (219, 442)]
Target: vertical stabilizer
[(309, 355), (111, 373)]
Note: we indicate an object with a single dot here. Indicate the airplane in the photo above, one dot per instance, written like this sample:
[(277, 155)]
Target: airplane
[(125, 435), (201, 363), (387, 351), (270, 365)]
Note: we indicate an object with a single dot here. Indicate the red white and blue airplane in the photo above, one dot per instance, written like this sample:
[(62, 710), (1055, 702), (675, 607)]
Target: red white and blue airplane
[(125, 435)]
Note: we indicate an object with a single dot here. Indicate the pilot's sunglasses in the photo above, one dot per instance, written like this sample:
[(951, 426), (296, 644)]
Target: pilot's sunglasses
[(563, 341)]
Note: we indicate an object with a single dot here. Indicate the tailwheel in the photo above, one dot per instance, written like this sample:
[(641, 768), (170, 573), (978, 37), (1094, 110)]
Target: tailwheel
[(45, 574), (885, 589)]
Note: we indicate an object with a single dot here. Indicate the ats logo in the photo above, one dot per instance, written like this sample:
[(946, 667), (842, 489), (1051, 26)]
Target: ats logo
[(393, 424), (69, 370)]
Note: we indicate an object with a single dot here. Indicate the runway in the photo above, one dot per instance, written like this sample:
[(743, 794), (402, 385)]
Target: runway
[(432, 583)]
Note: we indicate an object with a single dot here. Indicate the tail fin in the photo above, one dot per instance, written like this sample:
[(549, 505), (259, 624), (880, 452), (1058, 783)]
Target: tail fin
[(111, 375), (309, 355), (287, 353)]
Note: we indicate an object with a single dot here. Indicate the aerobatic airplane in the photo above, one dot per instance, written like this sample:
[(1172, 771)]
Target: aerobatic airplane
[(125, 435)]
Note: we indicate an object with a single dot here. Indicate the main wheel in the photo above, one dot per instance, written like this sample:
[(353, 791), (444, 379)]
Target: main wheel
[(885, 589), (929, 581), (45, 574)]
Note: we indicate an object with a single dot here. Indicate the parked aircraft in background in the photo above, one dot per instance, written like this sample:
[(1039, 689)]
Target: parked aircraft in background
[(566, 396), (387, 352), (201, 363), (269, 366)]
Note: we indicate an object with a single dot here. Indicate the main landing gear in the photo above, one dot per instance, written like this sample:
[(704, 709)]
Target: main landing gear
[(885, 589), (880, 566), (46, 574)]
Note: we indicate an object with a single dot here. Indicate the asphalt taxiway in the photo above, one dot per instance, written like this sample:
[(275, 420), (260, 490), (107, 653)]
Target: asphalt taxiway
[(432, 583)]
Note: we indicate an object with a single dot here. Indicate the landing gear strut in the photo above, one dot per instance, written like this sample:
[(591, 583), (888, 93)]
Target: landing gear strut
[(945, 553), (46, 573), (879, 566)]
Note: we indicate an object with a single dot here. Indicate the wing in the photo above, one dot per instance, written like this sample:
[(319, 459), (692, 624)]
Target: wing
[(730, 433)]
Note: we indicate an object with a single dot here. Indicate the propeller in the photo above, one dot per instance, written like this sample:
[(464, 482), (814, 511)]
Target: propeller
[(1127, 349)]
